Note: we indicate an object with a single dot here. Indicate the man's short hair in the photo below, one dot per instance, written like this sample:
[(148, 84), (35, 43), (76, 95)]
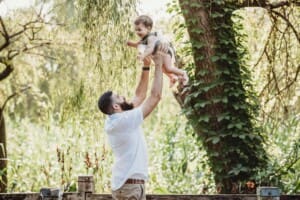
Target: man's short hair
[(105, 103), (144, 19)]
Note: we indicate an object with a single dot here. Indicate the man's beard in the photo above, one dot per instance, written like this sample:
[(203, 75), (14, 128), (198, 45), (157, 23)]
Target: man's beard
[(126, 106)]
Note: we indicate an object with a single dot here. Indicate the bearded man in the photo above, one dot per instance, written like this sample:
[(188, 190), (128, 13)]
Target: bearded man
[(125, 134)]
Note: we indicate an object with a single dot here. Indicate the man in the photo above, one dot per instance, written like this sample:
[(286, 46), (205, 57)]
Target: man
[(125, 135)]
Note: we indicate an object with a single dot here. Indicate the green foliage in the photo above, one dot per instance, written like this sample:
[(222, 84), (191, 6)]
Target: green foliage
[(58, 134), (58, 117), (283, 140), (55, 131), (60, 155), (100, 20), (179, 162), (274, 64)]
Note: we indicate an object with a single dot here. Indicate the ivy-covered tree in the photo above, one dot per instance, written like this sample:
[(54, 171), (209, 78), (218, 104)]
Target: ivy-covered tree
[(220, 103)]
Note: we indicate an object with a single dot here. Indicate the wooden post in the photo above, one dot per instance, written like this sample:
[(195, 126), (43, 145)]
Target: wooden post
[(86, 184)]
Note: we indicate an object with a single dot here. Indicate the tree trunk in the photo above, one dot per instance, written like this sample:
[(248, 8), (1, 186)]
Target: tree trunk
[(3, 155), (216, 101)]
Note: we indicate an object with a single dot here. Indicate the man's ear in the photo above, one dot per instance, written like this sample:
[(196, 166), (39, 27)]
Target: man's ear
[(116, 106)]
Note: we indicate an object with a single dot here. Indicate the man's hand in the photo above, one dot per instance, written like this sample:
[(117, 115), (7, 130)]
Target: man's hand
[(140, 57), (158, 58), (147, 61), (163, 47)]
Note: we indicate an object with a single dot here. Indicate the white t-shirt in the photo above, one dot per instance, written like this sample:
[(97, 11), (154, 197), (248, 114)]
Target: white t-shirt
[(128, 144)]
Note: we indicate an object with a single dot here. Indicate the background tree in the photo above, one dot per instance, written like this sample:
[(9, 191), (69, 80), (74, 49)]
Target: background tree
[(16, 39), (62, 87), (220, 103)]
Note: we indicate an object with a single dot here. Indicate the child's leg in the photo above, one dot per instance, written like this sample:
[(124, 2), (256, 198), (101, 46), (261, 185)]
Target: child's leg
[(172, 77), (170, 69)]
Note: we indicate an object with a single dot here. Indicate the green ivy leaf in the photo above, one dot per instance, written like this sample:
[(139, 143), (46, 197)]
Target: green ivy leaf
[(239, 125), (223, 116), (201, 104), (217, 14), (203, 72), (198, 45), (197, 30), (225, 99), (230, 126), (242, 136), (195, 5), (187, 99), (203, 118), (215, 58), (215, 140), (199, 58)]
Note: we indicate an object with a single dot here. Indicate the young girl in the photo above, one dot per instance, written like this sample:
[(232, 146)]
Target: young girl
[(148, 46)]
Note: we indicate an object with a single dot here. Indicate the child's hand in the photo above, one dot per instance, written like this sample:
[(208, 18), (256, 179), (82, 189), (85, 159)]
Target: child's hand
[(158, 59), (132, 44)]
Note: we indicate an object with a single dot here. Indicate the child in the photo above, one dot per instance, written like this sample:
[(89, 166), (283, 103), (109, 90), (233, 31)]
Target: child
[(148, 46)]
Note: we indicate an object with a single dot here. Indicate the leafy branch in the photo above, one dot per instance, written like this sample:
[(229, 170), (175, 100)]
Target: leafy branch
[(9, 49), (9, 98), (13, 95), (277, 42), (288, 23), (266, 4)]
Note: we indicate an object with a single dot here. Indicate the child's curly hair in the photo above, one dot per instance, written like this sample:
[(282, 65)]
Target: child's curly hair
[(144, 19)]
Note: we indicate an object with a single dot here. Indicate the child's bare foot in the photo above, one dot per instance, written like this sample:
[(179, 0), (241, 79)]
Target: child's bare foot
[(173, 80), (172, 83)]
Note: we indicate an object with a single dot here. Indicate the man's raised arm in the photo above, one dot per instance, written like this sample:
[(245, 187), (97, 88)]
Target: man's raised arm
[(156, 91), (141, 89)]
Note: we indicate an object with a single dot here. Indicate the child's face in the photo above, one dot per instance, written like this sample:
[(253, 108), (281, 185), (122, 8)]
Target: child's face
[(141, 30)]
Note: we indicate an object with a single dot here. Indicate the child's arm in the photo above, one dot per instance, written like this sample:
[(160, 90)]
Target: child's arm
[(133, 44), (150, 47)]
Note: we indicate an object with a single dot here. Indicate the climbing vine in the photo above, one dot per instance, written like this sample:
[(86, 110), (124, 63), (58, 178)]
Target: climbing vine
[(220, 102)]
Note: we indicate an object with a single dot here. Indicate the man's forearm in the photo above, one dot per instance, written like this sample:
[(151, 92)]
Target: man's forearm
[(141, 89), (156, 90)]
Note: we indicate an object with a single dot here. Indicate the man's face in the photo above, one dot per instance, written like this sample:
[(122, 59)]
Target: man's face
[(121, 101), (141, 30)]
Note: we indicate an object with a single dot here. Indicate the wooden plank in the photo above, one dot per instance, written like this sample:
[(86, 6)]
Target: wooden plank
[(19, 196), (90, 196)]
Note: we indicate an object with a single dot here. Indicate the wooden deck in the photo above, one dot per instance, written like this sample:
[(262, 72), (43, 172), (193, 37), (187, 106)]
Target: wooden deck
[(86, 188), (90, 196)]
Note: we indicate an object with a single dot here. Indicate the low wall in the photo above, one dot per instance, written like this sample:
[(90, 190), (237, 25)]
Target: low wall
[(86, 188), (90, 196)]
